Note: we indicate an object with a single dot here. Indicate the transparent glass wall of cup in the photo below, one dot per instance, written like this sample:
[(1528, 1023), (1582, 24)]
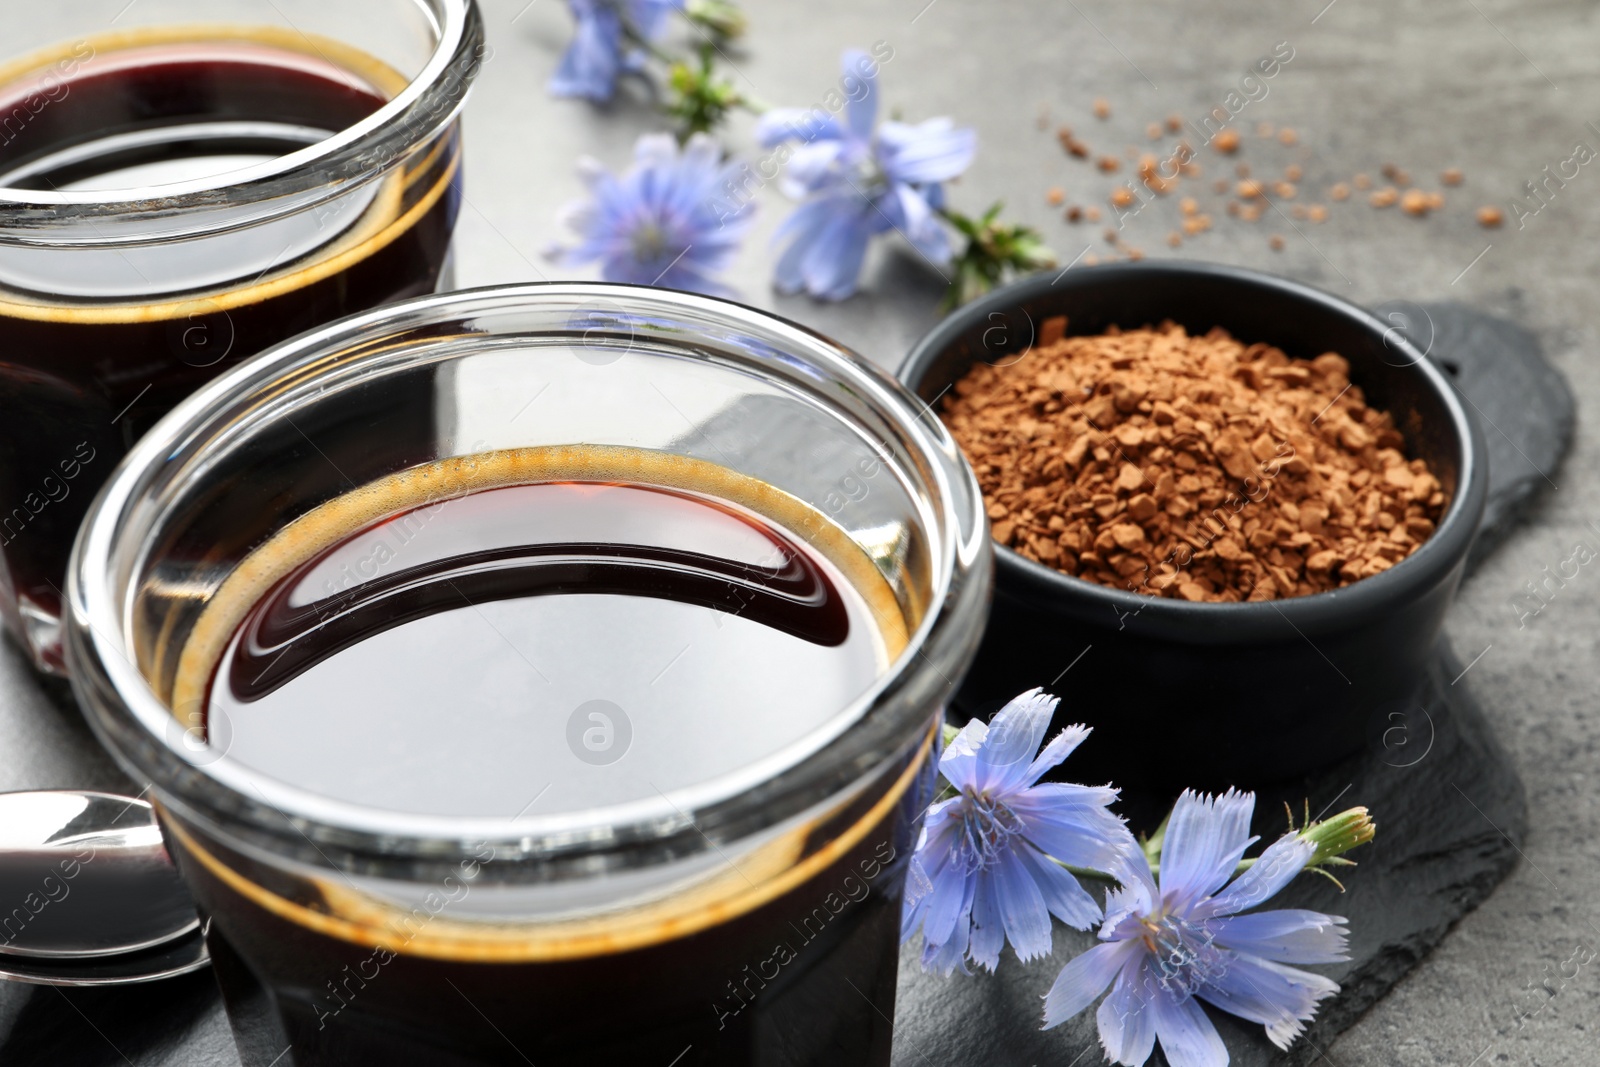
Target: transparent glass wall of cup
[(182, 184), (749, 916)]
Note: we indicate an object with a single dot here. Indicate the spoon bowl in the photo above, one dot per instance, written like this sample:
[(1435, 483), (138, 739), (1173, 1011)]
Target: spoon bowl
[(85, 876), (180, 956)]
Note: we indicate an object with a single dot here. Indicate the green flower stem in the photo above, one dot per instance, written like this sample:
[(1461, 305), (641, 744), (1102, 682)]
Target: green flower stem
[(701, 98), (994, 251), (724, 21)]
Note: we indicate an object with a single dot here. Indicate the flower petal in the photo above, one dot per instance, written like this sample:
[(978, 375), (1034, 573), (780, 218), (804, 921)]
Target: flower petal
[(959, 764), (909, 213), (1063, 894), (1084, 978), (1206, 838), (949, 904), (1127, 904), (1014, 736), (832, 265), (1188, 1038), (649, 16), (802, 228), (918, 888), (812, 168), (988, 927), (1283, 999), (859, 77), (932, 151), (1126, 1022), (1272, 870), (590, 65), (796, 124), (949, 956), (1021, 905), (1060, 747), (1289, 935), (1072, 824)]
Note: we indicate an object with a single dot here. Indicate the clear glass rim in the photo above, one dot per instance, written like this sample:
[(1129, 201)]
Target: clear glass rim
[(136, 725), (287, 184)]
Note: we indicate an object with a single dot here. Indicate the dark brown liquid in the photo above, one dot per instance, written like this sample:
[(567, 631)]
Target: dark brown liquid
[(787, 592), (434, 661), (705, 637), (81, 378)]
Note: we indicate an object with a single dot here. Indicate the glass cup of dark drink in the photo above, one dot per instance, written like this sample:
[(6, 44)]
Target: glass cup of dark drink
[(182, 184), (541, 674)]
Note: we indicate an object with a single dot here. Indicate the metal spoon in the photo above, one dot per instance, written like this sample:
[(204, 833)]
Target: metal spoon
[(177, 957), (88, 894)]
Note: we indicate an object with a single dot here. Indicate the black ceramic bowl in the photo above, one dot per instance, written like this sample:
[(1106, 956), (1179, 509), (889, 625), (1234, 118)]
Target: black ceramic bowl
[(1203, 694)]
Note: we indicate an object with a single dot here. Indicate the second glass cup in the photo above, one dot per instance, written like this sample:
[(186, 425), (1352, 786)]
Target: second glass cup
[(543, 674), (183, 184)]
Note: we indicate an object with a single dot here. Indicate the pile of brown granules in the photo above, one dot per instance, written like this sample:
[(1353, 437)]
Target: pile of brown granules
[(1193, 467)]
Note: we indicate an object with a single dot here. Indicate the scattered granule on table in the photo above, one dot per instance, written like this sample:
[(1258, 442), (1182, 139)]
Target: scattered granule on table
[(1070, 143), (1415, 202), (1395, 174), (1193, 467), (1490, 216), (1226, 141)]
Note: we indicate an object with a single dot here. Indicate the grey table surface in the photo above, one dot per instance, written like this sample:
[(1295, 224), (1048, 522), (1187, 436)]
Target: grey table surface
[(1498, 88)]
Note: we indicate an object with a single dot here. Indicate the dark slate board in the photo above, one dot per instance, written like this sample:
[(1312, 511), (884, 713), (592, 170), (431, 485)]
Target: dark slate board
[(1450, 809), (1449, 825), (1521, 402)]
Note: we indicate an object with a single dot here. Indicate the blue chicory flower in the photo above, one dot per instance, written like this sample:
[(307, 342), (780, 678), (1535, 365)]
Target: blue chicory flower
[(1166, 948), (982, 871), (664, 223), (601, 49), (855, 183)]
